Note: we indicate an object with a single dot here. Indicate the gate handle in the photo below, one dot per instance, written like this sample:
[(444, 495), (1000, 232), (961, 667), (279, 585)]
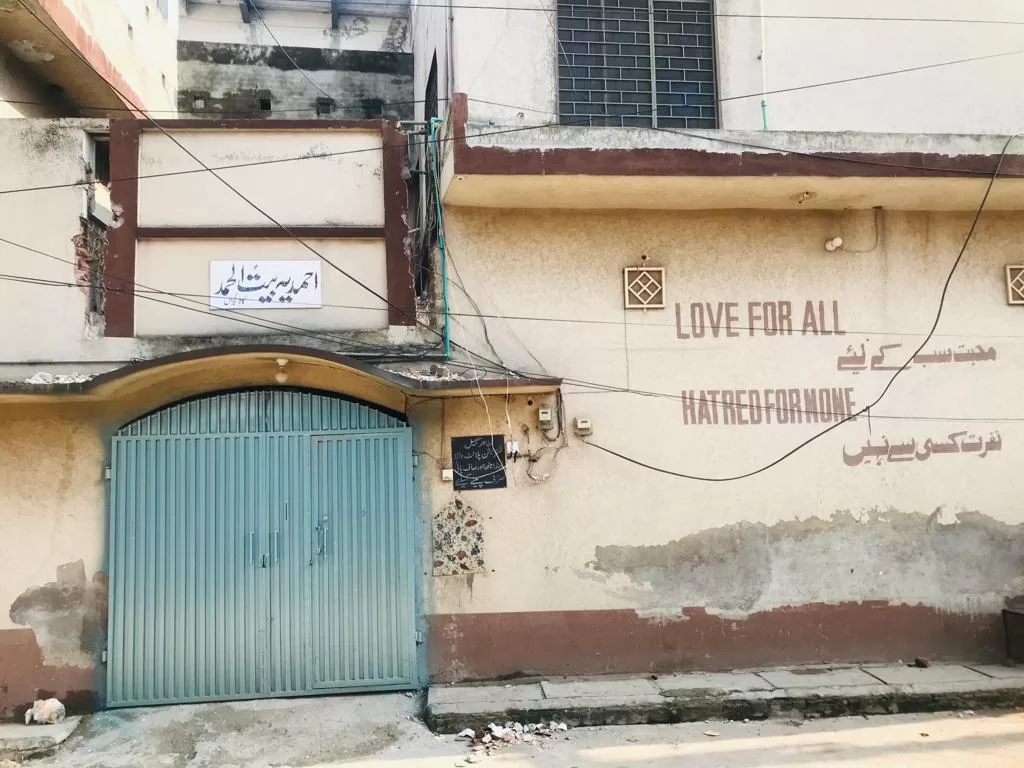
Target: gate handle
[(252, 547), (277, 547), (325, 542)]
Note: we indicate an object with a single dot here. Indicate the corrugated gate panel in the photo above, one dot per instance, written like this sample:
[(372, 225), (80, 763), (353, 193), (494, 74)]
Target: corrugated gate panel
[(362, 581), (220, 584), (187, 594)]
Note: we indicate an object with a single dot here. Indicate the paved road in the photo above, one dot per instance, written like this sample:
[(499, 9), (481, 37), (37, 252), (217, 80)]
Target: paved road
[(380, 732)]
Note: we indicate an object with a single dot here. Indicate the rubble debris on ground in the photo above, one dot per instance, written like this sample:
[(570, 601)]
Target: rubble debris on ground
[(484, 740), (45, 712)]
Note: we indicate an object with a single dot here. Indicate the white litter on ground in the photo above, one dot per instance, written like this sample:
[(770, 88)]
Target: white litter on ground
[(484, 740)]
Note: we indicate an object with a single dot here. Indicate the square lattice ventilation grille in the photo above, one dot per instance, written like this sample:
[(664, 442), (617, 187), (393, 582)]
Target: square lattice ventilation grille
[(1015, 283), (644, 287)]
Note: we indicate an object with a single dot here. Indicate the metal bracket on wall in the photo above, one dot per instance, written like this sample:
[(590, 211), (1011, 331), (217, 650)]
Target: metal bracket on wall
[(335, 14), (246, 6)]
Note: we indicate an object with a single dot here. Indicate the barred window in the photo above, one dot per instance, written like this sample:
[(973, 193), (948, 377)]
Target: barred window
[(636, 63)]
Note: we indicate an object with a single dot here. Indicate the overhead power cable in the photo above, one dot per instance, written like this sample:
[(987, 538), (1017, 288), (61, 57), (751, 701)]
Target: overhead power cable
[(661, 12), (577, 320), (872, 76), (220, 178), (213, 115), (409, 315), (598, 389), (288, 55), (893, 378), (867, 408), (582, 121), (231, 314)]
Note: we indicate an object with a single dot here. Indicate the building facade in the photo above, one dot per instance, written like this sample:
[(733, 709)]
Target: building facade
[(718, 299), (531, 385)]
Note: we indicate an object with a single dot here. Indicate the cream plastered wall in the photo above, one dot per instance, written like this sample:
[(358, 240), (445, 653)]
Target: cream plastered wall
[(140, 42), (936, 523), (183, 267), (344, 187), (799, 51), (46, 321), (491, 42), (52, 460), (300, 29)]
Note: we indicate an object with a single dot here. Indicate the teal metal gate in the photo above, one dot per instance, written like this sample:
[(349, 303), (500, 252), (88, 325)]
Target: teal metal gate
[(261, 544)]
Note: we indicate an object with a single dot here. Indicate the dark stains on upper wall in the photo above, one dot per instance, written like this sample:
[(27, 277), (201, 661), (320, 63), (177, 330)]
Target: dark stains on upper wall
[(397, 35), (236, 80), (307, 59)]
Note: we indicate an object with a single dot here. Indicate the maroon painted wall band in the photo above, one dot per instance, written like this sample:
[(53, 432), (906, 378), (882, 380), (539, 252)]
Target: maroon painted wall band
[(119, 261), (197, 233)]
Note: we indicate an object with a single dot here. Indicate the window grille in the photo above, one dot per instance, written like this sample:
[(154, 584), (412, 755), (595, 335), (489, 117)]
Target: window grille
[(644, 287), (1015, 283), (637, 63)]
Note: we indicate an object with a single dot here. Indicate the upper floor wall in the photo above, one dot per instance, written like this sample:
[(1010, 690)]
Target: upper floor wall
[(274, 62), (72, 57), (212, 234), (898, 66)]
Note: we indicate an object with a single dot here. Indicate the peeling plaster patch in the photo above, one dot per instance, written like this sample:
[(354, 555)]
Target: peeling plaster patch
[(42, 138), (971, 564), (458, 540), (30, 51), (68, 616), (397, 36), (360, 26), (90, 251)]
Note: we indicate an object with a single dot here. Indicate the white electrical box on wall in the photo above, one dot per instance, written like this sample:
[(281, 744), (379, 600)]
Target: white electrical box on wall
[(545, 418), (583, 426)]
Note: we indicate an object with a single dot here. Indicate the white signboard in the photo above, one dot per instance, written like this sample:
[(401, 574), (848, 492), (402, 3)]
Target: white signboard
[(265, 285)]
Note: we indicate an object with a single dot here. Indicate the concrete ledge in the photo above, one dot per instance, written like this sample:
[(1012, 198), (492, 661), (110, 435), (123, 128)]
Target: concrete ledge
[(21, 741), (618, 701)]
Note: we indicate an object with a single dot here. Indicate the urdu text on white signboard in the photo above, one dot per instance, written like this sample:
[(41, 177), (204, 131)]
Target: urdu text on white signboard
[(265, 285)]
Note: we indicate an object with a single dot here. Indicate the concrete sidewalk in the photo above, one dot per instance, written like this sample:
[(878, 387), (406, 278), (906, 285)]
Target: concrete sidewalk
[(24, 741), (826, 691)]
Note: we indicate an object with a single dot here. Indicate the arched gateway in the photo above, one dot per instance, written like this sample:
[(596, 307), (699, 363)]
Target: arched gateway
[(261, 543)]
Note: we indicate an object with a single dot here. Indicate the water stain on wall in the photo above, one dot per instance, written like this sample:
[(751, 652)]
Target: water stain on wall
[(68, 616), (962, 562)]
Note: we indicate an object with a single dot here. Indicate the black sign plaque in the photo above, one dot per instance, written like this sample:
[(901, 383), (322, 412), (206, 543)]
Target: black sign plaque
[(479, 462)]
